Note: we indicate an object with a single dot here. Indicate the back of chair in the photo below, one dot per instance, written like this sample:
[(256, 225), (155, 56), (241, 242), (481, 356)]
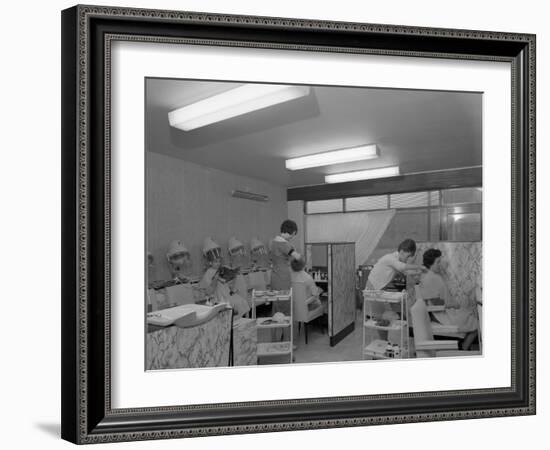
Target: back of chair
[(299, 299), (257, 280), (152, 300), (180, 294), (420, 318)]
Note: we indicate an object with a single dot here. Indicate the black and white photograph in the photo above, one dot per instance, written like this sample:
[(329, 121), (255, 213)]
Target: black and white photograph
[(301, 224), (276, 221)]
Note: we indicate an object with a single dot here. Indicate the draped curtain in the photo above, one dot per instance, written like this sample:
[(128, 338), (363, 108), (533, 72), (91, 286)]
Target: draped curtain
[(363, 228)]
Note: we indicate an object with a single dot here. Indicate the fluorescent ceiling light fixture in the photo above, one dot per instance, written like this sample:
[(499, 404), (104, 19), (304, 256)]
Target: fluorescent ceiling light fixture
[(233, 103), (333, 157), (383, 172)]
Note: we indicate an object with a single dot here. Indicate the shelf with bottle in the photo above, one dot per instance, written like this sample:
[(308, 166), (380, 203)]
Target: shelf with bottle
[(278, 320), (261, 297), (319, 276), (275, 348), (385, 325), (384, 296), (382, 349)]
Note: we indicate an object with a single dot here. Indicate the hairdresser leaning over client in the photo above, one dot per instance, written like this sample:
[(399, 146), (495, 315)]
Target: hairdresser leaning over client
[(386, 267)]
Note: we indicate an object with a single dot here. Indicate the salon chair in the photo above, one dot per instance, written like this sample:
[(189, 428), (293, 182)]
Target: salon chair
[(301, 312), (256, 280), (424, 342), (438, 329), (446, 331)]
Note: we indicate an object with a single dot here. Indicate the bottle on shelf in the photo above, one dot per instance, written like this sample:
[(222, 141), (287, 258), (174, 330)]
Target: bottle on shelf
[(396, 351)]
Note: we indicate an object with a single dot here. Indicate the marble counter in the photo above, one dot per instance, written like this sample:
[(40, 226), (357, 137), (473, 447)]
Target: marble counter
[(206, 345), (245, 342)]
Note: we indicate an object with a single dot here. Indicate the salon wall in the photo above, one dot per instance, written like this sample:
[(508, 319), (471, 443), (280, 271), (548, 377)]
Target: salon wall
[(406, 224), (190, 202)]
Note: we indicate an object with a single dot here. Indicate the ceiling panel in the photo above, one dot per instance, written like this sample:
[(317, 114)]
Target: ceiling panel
[(417, 130)]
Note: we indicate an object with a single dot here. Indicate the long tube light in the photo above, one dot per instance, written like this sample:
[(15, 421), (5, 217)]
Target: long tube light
[(333, 157), (382, 172), (233, 103)]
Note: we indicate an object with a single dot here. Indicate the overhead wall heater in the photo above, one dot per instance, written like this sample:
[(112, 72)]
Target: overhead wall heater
[(249, 195)]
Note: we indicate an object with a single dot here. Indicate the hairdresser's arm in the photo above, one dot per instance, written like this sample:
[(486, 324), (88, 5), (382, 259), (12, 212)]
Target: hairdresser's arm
[(295, 255), (404, 267), (415, 268), (292, 252)]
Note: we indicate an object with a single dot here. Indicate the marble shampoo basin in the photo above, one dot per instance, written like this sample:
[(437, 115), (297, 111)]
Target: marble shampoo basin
[(184, 316)]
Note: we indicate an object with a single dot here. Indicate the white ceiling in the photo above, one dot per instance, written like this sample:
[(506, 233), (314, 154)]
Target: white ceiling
[(417, 130)]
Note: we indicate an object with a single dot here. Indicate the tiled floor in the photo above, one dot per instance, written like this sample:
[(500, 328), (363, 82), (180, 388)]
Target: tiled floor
[(318, 348)]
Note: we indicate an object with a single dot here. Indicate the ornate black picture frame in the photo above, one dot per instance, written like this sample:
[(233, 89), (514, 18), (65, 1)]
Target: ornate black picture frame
[(87, 34)]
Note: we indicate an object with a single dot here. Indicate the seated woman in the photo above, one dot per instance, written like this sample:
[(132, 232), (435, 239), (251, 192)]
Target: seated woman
[(219, 281), (238, 261), (435, 292), (179, 261), (298, 274)]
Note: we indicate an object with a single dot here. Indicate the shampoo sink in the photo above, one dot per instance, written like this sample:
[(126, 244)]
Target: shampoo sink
[(185, 316)]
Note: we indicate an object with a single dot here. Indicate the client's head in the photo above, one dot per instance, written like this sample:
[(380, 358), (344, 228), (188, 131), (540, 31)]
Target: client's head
[(432, 259), (297, 265)]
